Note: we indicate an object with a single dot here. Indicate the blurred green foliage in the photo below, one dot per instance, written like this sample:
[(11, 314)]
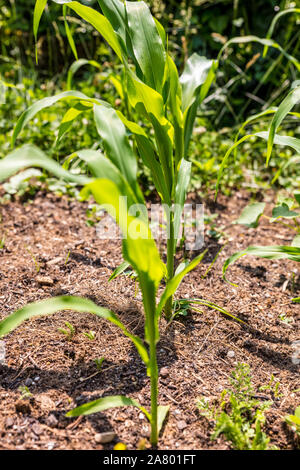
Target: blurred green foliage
[(246, 82)]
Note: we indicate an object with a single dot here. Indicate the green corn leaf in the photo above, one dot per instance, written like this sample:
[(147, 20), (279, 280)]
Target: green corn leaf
[(194, 76), (76, 66), (251, 214), (173, 284), (70, 116), (139, 248), (119, 270), (30, 112), (105, 403), (114, 10), (183, 181), (147, 153), (150, 104), (147, 44), (274, 21), (162, 412), (269, 252), (116, 145), (39, 8), (69, 33), (285, 107), (78, 304), (30, 156), (175, 103), (98, 21), (102, 167), (196, 80)]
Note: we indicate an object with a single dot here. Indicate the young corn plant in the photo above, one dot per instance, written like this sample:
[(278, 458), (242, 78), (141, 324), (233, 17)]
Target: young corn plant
[(169, 105), (166, 106), (285, 209)]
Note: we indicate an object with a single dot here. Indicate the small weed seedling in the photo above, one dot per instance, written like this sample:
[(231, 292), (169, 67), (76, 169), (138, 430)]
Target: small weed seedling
[(25, 392), (99, 362), (90, 335), (239, 416), (273, 387), (70, 332)]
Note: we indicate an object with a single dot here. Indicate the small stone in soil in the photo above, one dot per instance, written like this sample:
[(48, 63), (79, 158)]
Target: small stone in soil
[(181, 425), (44, 280), (164, 372), (37, 429), (104, 437), (230, 354), (28, 382), (9, 422), (51, 421)]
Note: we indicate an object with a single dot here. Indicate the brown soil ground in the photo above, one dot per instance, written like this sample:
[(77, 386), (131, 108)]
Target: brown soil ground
[(193, 350)]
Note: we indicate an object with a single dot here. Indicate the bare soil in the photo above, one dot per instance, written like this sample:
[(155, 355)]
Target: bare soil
[(50, 234)]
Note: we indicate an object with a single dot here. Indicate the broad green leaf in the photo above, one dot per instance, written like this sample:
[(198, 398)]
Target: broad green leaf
[(269, 252), (285, 107), (119, 270), (30, 156), (297, 196), (116, 145), (194, 75), (105, 403), (76, 66), (274, 21), (39, 7), (251, 214), (183, 181), (30, 112), (173, 284), (147, 44), (162, 412), (78, 304), (98, 21), (283, 211)]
